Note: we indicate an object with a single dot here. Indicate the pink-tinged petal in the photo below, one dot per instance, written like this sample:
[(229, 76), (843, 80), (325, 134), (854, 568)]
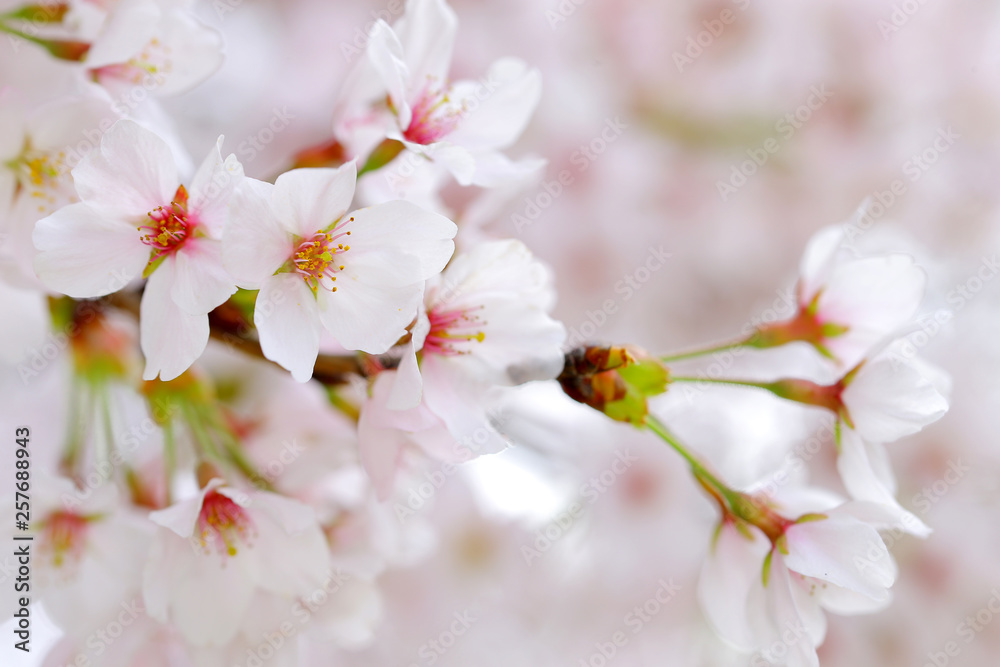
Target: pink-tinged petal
[(71, 125), (496, 169), (254, 242), (200, 281), (366, 315), (846, 602), (842, 551), (129, 26), (287, 321), (781, 632), (460, 402), (132, 173), (182, 517), (210, 601), (879, 294), (892, 397), (30, 309), (171, 339), (84, 253), (818, 260), (308, 200), (195, 52), (456, 159), (385, 55), (380, 443), (729, 572), (867, 475), (427, 35), (212, 187), (499, 112), (396, 228), (302, 563), (408, 386)]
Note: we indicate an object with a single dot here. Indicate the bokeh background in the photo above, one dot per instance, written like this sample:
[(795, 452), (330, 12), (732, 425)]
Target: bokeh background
[(657, 110)]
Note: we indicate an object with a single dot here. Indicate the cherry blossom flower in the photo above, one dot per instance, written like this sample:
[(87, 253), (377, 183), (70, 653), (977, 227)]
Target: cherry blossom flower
[(847, 304), (360, 275), (215, 553), (770, 599), (402, 91), (156, 44), (484, 324), (135, 218), (88, 550)]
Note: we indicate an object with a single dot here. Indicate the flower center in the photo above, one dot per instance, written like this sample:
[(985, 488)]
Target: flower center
[(452, 332), (38, 173), (317, 259), (222, 524), (64, 536), (152, 64), (169, 227), (434, 116)]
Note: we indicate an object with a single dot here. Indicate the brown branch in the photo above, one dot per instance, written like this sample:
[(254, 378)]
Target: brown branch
[(228, 326)]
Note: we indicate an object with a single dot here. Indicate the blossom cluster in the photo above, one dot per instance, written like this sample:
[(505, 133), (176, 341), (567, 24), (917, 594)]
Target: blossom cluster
[(256, 366)]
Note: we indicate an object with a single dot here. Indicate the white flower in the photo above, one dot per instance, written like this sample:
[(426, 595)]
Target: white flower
[(402, 91), (360, 276), (218, 551), (88, 550), (835, 561), (892, 395), (484, 324), (135, 218), (155, 44), (848, 303)]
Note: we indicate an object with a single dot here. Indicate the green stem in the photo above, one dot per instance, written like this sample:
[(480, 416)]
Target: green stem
[(169, 459), (729, 381), (797, 390), (697, 467), (701, 352)]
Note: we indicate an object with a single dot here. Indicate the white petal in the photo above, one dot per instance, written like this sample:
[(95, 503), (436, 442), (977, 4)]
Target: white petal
[(497, 117), (171, 339), (195, 52), (818, 259), (308, 200), (845, 552), (730, 570), (866, 474), (200, 281), (84, 253), (212, 187), (287, 321), (407, 387), (129, 26), (365, 315), (385, 54), (379, 446), (427, 34), (254, 244), (132, 173), (890, 398), (399, 227)]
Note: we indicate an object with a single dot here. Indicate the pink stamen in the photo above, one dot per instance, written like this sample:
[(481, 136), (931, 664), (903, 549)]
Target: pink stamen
[(63, 534), (169, 227), (222, 524), (433, 117), (453, 331)]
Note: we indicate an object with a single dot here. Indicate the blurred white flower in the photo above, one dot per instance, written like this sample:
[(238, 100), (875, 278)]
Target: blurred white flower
[(402, 91), (219, 551)]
